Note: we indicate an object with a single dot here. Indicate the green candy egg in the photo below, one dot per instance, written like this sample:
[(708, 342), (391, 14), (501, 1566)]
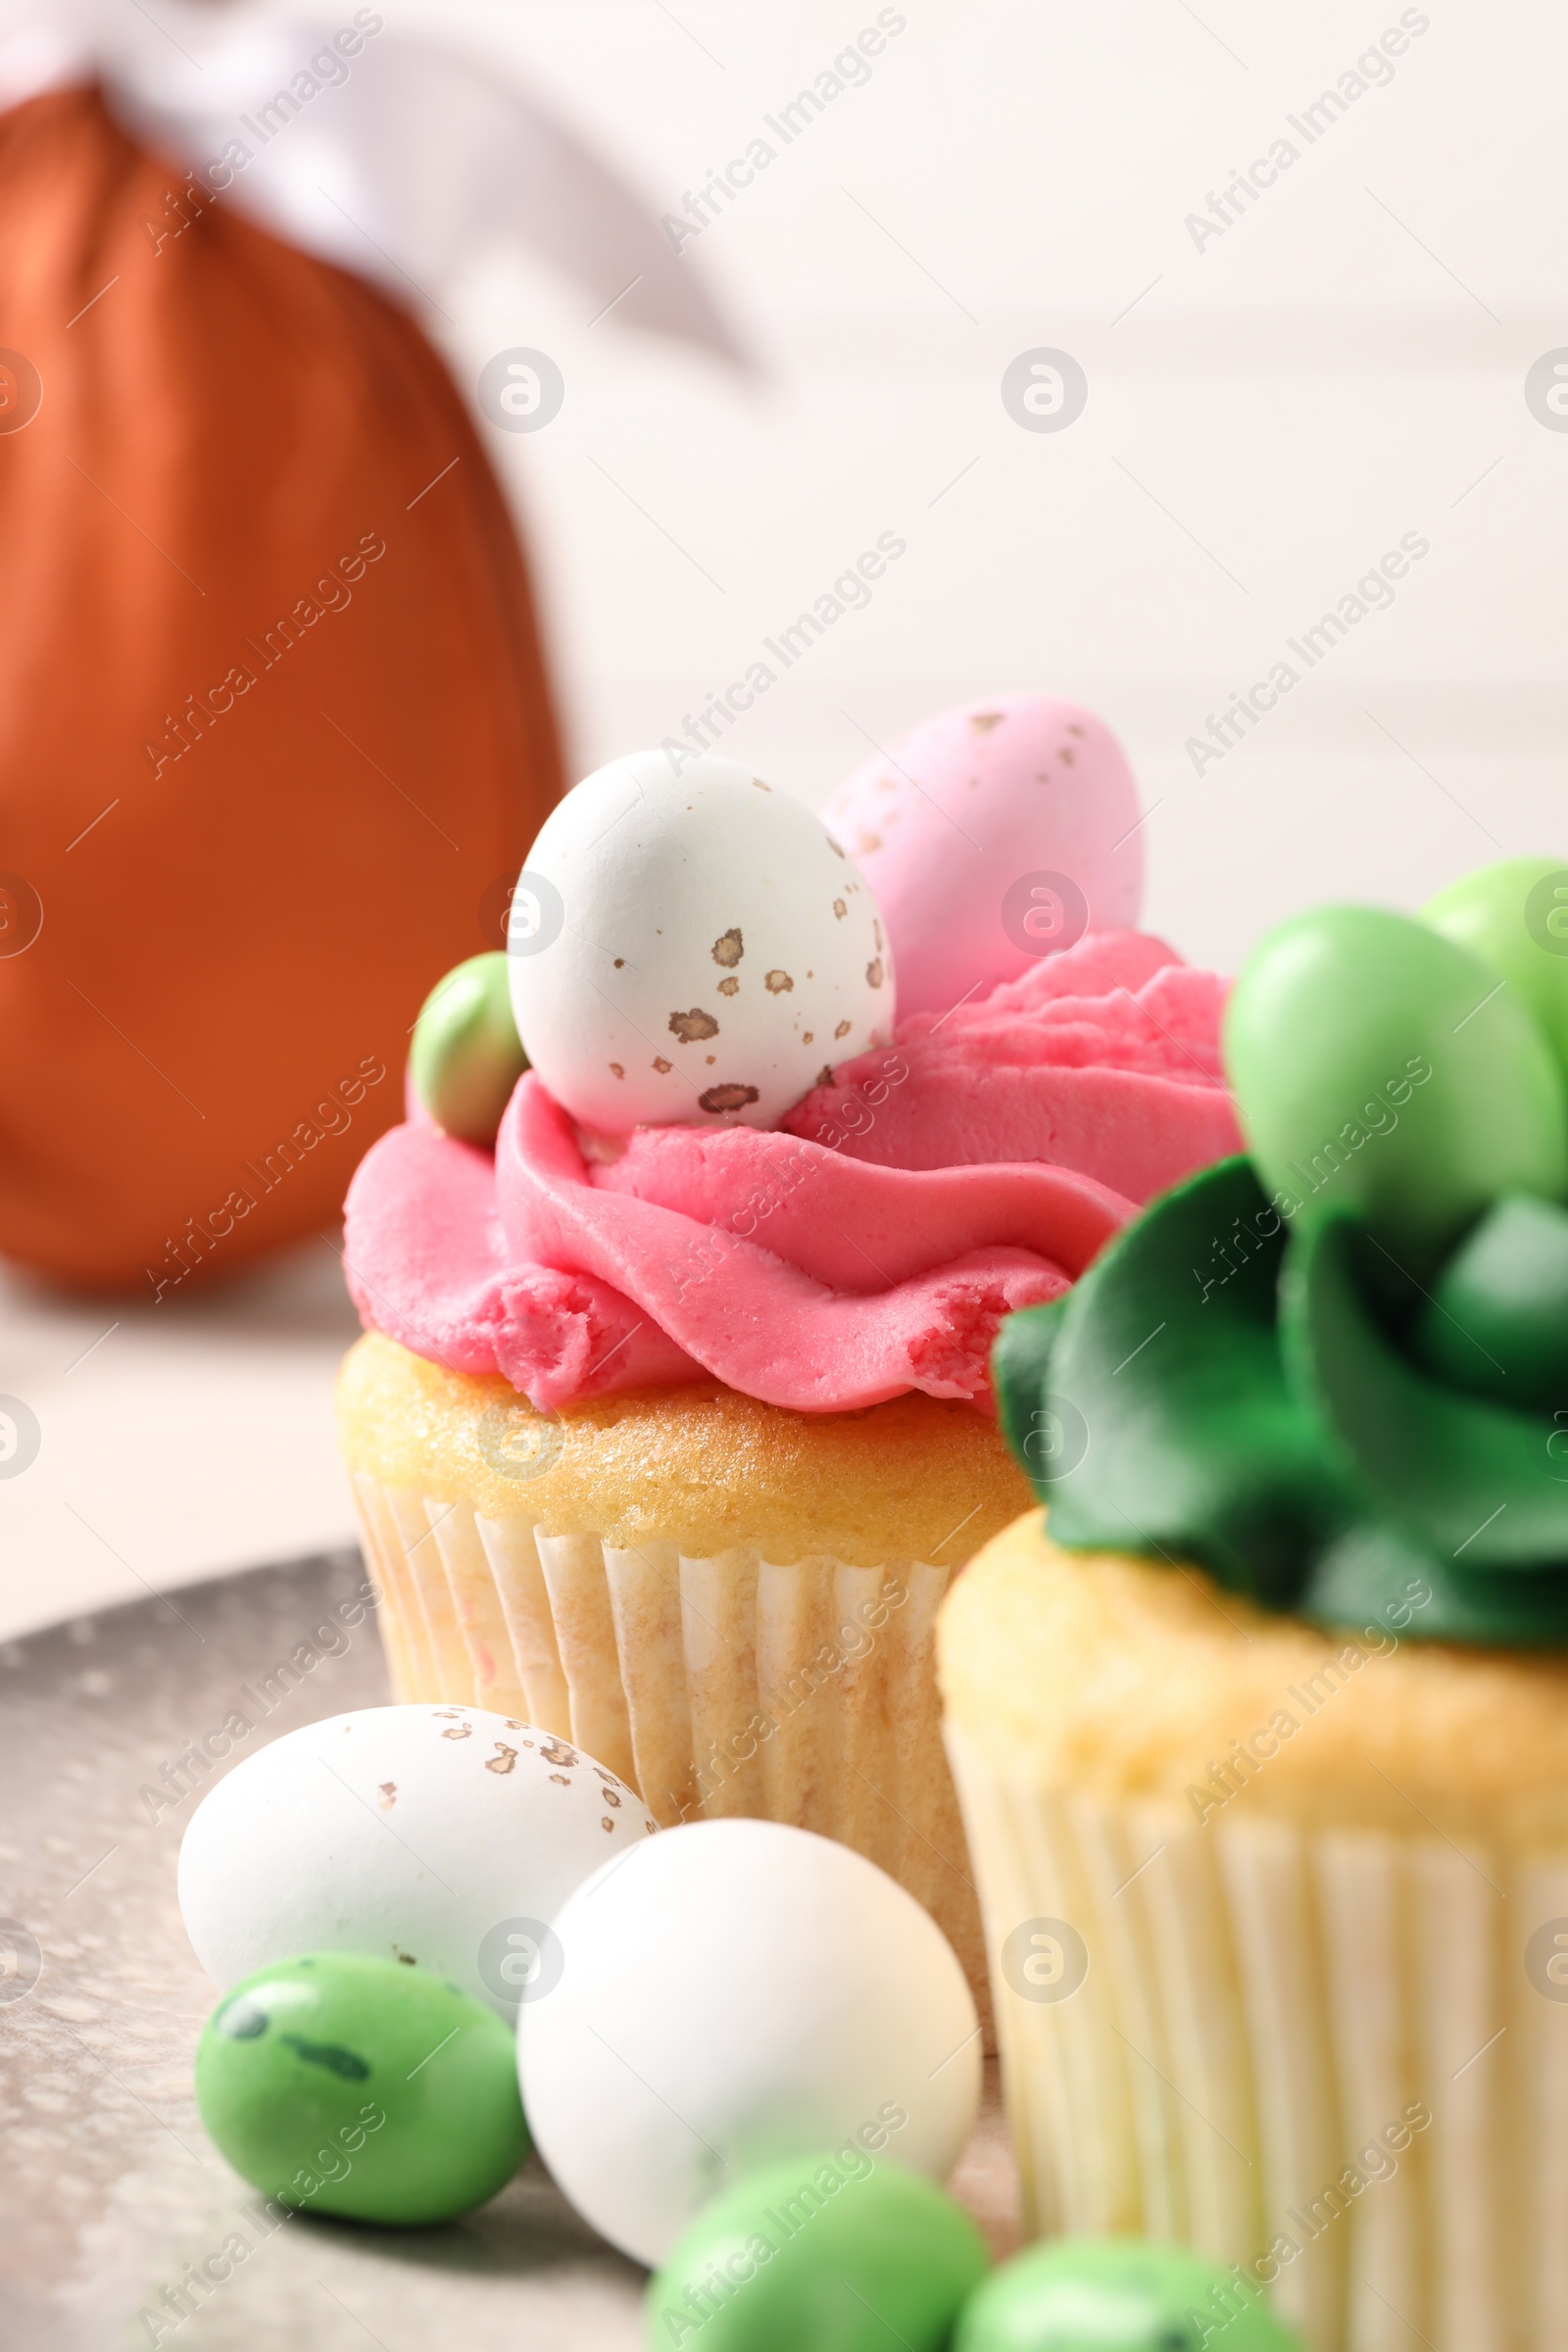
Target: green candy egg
[(1380, 1068), (1514, 918), (829, 2251), (1496, 1320), (349, 2085), (1116, 2294), (466, 1057)]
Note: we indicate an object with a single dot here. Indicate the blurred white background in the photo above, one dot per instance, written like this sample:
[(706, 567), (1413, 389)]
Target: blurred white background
[(1267, 413)]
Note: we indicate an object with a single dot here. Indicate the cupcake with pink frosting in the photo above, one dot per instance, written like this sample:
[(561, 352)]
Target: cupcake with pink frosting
[(673, 1420)]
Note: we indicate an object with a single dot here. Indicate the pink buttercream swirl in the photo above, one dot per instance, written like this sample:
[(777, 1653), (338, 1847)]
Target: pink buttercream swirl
[(870, 1248)]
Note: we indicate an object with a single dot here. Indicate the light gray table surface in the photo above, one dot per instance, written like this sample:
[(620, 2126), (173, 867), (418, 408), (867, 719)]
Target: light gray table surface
[(110, 2191)]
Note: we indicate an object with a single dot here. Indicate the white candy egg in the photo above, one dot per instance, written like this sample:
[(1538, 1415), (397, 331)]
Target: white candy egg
[(734, 1991), (690, 947), (442, 1835)]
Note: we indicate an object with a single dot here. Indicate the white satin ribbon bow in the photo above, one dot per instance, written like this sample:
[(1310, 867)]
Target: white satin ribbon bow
[(388, 156)]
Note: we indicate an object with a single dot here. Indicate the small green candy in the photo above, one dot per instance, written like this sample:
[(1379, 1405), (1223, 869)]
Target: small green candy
[(466, 1057), (1379, 1069), (1514, 916), (816, 2252), (1116, 2294), (349, 2085)]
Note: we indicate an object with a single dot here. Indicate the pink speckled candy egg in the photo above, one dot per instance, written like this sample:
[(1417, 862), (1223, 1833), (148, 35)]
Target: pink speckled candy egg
[(967, 830)]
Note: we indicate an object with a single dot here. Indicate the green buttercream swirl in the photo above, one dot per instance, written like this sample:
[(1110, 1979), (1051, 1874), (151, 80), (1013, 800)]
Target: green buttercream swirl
[(1293, 1426)]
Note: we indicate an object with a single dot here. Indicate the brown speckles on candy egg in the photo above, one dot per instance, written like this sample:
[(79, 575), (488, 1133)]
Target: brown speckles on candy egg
[(843, 1029), (279, 1839), (699, 875), (982, 721), (873, 972), (604, 1822), (459, 1730), (809, 1037)]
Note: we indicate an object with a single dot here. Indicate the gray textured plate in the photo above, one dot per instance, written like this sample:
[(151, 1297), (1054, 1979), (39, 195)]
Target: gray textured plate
[(112, 2197)]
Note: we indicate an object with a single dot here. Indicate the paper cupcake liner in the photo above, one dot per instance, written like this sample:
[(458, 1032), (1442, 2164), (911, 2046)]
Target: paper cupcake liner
[(1227, 2035), (803, 1693)]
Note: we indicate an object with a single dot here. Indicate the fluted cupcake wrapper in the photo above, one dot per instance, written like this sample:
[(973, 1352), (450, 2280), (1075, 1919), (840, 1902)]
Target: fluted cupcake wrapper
[(1326, 2057), (803, 1692)]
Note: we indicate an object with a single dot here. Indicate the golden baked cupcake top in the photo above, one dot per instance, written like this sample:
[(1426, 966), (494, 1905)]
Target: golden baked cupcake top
[(918, 1478), (1104, 1676)]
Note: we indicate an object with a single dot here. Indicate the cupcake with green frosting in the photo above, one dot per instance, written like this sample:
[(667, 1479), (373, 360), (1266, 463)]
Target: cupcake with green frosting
[(1260, 1724)]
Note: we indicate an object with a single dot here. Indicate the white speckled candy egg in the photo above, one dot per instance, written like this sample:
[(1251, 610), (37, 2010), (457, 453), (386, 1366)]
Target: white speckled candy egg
[(442, 1835), (690, 947), (733, 1992)]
